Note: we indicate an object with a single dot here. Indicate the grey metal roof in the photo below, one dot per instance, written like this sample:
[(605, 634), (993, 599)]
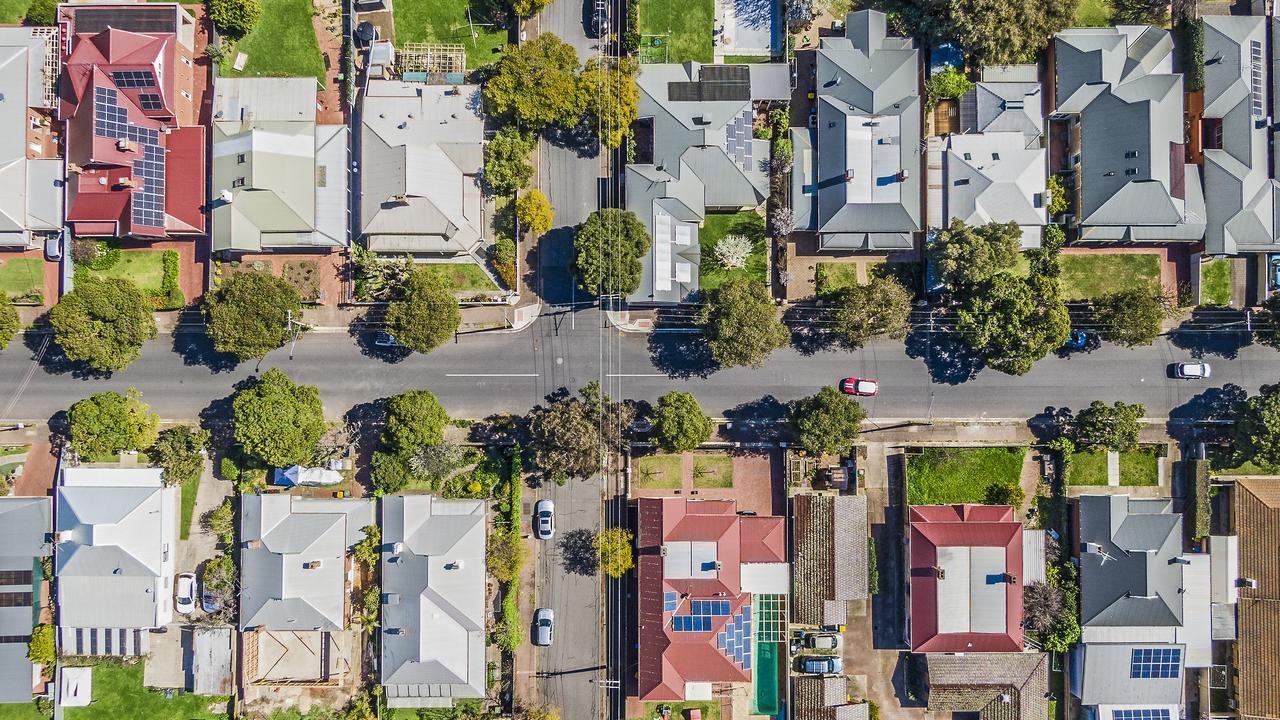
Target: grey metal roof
[(997, 177), (31, 200), (293, 560), (1003, 107), (25, 523), (1128, 577), (433, 612), (1106, 680)]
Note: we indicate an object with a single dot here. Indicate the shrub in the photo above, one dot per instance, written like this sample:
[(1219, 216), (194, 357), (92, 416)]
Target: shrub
[(235, 17), (369, 550), (949, 83), (41, 650), (1058, 198), (10, 324), (221, 522), (1005, 493), (631, 36), (228, 469), (506, 555), (873, 568), (1201, 511), (509, 633), (96, 255), (1192, 31), (42, 12), (391, 473), (503, 256)]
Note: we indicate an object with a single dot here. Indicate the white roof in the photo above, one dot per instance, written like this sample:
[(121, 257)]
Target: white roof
[(873, 158), (687, 560), (1224, 564), (766, 578), (1197, 629), (77, 686)]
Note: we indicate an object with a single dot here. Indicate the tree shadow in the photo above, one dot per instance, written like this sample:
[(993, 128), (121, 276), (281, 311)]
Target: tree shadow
[(367, 340), (1206, 415), (1199, 336), (580, 138), (756, 421), (46, 352), (949, 359), (578, 549), (197, 349), (807, 336), (1092, 341), (682, 355), (756, 14), (217, 416), (365, 421), (1052, 422)]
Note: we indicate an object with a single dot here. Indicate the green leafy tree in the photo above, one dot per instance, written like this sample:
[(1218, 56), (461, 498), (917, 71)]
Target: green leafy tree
[(614, 550), (235, 17), (414, 419), (506, 160), (249, 313), (1014, 321), (965, 255), (369, 549), (177, 450), (993, 32), (1132, 316), (741, 324), (221, 522), (569, 433), (826, 423), (947, 83), (1267, 322), (528, 8), (106, 423), (1059, 200), (102, 322), (42, 12), (536, 84), (607, 252), (1007, 492), (427, 316), (612, 97), (881, 308), (278, 421), (9, 322), (1044, 259), (679, 423), (1140, 12), (1114, 427), (533, 209), (41, 650), (1257, 429)]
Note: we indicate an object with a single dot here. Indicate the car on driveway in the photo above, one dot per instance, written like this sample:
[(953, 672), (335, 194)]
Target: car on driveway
[(543, 627), (823, 641), (544, 519), (1192, 371), (600, 19), (53, 247), (210, 601), (822, 664), (185, 594), (860, 386)]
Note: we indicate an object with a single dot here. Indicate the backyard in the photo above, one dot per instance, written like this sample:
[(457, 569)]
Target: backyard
[(22, 279), (282, 44), (720, 225), (447, 21), (462, 276), (681, 30), (1137, 467), (118, 694), (943, 476), (1215, 282)]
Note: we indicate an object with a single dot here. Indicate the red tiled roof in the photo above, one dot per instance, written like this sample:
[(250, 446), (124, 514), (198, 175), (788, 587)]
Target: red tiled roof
[(185, 165), (936, 526), (762, 539)]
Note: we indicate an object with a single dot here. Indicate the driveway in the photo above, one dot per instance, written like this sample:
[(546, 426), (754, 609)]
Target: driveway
[(201, 544)]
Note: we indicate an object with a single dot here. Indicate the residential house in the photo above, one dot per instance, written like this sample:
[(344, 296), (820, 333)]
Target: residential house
[(702, 566), (279, 178), (856, 180), (30, 170), (825, 697), (433, 600), (135, 149), (25, 525), (116, 541), (1257, 585), (695, 154), (990, 686), (829, 557), (1118, 131)]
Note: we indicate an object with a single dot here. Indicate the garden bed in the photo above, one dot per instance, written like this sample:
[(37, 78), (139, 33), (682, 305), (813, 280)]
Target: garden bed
[(944, 476)]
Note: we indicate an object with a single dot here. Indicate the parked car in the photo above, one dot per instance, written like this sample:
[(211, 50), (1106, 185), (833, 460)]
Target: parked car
[(1077, 340), (53, 247), (543, 627), (822, 664), (859, 386), (600, 19), (544, 519), (823, 641), (385, 339), (640, 425), (185, 594), (210, 601), (1192, 371)]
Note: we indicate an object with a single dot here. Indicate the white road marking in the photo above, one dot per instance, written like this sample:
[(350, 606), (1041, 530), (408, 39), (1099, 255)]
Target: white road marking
[(492, 375)]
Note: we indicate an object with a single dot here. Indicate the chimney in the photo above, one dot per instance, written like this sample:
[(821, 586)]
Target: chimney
[(399, 200), (1249, 583), (127, 182), (1179, 560), (74, 169), (313, 565), (903, 174), (1006, 697), (455, 565), (848, 175), (1009, 579), (126, 145), (939, 573), (226, 196)]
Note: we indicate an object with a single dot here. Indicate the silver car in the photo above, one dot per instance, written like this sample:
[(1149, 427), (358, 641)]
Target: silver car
[(543, 627), (822, 665), (1193, 371), (544, 519)]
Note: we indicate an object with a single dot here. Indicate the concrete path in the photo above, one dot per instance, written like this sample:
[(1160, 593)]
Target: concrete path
[(202, 544), (1113, 468)]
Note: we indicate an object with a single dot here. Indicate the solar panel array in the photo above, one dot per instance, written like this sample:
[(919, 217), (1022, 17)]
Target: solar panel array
[(1155, 663), (133, 78), (737, 139), (1141, 714), (691, 623), (149, 101), (1257, 84), (669, 602), (110, 120), (718, 608), (735, 640)]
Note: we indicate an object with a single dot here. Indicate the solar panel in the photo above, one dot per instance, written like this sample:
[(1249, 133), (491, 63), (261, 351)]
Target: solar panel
[(1141, 714), (1155, 663), (110, 120), (131, 19), (133, 78), (669, 602), (149, 101)]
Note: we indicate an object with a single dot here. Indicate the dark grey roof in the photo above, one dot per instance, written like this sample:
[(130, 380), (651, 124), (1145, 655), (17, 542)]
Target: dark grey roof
[(1128, 576), (1003, 107), (830, 556), (25, 523), (1106, 679), (997, 686)]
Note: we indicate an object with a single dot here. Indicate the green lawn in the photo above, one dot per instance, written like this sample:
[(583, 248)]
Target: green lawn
[(1089, 276), (21, 711), (1138, 467), (943, 476), (189, 490), (1093, 13), (283, 44), (1221, 463), (118, 694), (11, 13), (658, 471), (144, 267), (1088, 467), (743, 59), (719, 225), (710, 710), (21, 276), (445, 21), (712, 471), (686, 25), (461, 276), (831, 276), (1215, 282)]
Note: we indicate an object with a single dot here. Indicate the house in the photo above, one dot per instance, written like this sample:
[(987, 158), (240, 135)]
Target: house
[(966, 579), (1119, 130), (116, 542), (135, 149), (30, 171), (433, 600), (1240, 192), (992, 686), (695, 154), (1257, 586), (279, 178), (819, 697), (702, 568), (25, 524), (856, 180), (422, 154), (829, 557)]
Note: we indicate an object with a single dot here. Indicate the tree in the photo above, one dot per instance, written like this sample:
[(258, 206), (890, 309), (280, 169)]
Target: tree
[(506, 160), (1044, 259), (1000, 32), (536, 84), (106, 423), (1042, 604), (527, 8), (102, 322), (369, 549), (1267, 322), (614, 548), (278, 421), (437, 461), (570, 432), (42, 12), (177, 450), (607, 252), (679, 424), (41, 649), (732, 251), (1059, 200), (965, 255), (826, 423), (221, 522), (9, 322), (612, 97), (426, 316), (1132, 316), (414, 419), (1257, 430), (1014, 321), (1114, 427), (949, 82), (533, 209), (249, 313), (881, 308), (741, 324), (235, 17), (506, 555), (1140, 12), (1007, 492)]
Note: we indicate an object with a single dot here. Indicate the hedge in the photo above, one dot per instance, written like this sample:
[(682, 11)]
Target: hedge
[(1200, 508)]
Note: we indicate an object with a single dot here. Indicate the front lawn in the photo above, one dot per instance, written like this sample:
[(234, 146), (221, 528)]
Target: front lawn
[(1139, 467), (1215, 282), (21, 711), (189, 490), (720, 225), (145, 268), (685, 27), (282, 44), (12, 12), (22, 279), (1087, 467), (461, 276), (446, 21), (118, 694), (661, 471), (831, 277), (1085, 277), (944, 476), (710, 710), (713, 470)]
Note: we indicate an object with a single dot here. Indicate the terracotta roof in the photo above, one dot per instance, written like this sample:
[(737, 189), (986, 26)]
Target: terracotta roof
[(763, 539), (934, 529), (829, 544), (1257, 515), (997, 686)]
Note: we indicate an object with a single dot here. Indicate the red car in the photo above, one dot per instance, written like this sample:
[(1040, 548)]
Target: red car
[(859, 386)]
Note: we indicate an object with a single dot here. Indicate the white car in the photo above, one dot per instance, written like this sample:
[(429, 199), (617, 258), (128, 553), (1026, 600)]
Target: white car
[(1193, 371), (543, 627), (185, 594), (544, 519)]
